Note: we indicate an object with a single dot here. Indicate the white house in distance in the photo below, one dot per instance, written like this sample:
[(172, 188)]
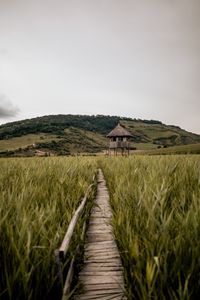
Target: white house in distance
[(119, 139)]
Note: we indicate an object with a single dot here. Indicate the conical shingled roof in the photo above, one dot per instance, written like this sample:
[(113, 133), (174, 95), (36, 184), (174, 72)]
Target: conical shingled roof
[(119, 130)]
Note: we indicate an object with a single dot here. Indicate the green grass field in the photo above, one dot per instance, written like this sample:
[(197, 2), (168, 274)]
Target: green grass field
[(156, 204), (156, 221), (37, 200), (25, 141), (144, 146), (183, 149)]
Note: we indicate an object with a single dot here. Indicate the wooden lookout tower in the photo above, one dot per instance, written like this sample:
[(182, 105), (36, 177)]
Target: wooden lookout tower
[(119, 139)]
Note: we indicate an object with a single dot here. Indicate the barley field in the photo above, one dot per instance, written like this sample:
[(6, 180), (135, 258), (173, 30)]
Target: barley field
[(38, 197), (156, 204)]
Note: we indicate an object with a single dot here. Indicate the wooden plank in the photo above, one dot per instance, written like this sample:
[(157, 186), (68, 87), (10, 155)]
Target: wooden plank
[(66, 241), (68, 281), (98, 238), (103, 287), (99, 248), (93, 246), (101, 276), (111, 242), (101, 280), (99, 233), (100, 227), (97, 230), (98, 273), (101, 215), (99, 221), (104, 232), (92, 235), (104, 292), (102, 259), (102, 207), (99, 264), (103, 252), (93, 268), (102, 297), (102, 256), (94, 259)]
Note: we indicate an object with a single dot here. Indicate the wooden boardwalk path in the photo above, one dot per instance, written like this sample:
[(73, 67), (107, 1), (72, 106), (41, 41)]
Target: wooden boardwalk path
[(101, 276)]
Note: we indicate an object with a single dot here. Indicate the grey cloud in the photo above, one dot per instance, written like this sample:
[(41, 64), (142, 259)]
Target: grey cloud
[(7, 108)]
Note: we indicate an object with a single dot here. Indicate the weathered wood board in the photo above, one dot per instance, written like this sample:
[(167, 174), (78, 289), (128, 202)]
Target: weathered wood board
[(102, 273)]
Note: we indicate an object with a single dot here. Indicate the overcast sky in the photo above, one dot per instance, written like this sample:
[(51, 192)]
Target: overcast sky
[(134, 58)]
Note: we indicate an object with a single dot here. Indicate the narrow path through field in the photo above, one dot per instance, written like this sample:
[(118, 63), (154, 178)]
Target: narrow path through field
[(101, 276)]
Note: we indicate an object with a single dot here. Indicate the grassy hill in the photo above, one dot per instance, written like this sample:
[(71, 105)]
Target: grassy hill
[(72, 134), (182, 149)]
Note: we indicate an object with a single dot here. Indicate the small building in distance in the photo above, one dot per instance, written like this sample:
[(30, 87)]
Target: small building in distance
[(119, 139)]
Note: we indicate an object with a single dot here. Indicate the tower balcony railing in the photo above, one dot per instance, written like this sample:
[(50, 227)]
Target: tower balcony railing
[(119, 144)]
